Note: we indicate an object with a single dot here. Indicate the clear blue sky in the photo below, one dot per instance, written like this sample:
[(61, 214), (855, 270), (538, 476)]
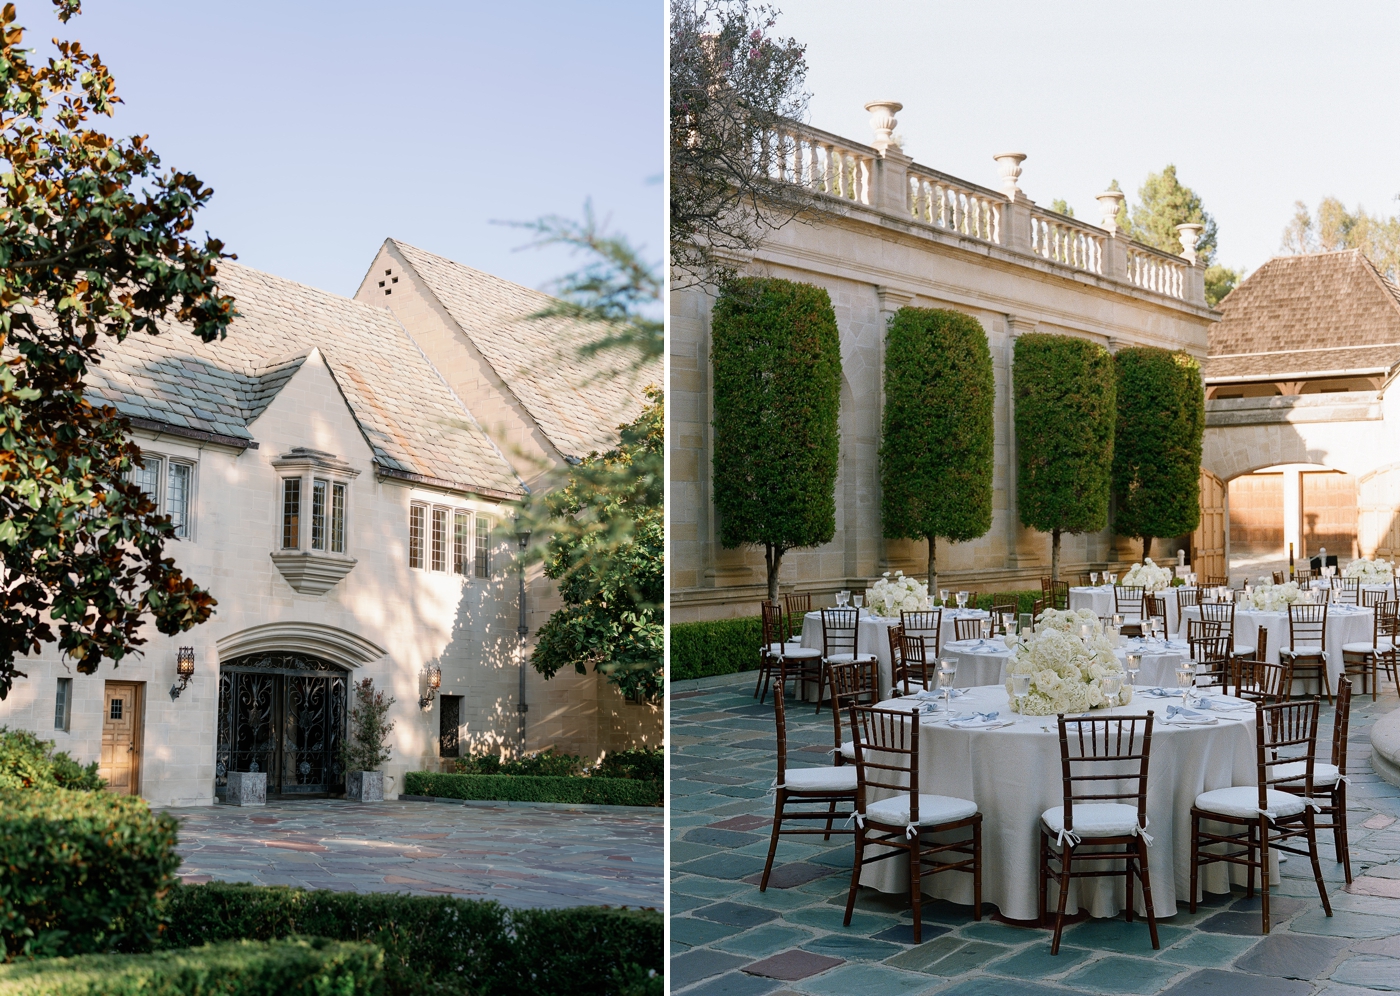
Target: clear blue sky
[(1258, 104), (325, 127)]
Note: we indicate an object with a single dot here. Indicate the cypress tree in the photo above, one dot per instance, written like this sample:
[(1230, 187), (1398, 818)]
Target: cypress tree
[(936, 446)]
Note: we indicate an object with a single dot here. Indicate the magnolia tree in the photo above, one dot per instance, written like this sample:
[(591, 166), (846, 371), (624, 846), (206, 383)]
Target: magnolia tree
[(1157, 444), (776, 355), (94, 246), (1064, 435), (936, 444)]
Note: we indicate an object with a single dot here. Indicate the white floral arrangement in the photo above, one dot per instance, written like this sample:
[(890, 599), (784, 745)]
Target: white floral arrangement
[(1148, 575), (1269, 597), (1370, 571), (889, 596), (1065, 667)]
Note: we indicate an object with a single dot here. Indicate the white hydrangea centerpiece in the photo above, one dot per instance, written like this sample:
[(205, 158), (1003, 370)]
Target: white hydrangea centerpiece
[(1369, 571), (891, 595), (1148, 575), (1065, 666), (1269, 597)]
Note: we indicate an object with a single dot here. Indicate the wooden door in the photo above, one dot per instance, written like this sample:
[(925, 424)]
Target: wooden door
[(1208, 541), (121, 737)]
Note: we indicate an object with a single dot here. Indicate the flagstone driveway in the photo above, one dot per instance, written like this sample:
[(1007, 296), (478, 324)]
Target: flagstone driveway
[(519, 855), (728, 938)]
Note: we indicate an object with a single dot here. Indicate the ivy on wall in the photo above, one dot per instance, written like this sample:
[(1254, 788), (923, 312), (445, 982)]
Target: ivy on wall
[(936, 451), (776, 359)]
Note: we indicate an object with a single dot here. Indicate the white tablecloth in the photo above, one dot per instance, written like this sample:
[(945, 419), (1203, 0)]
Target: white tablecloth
[(980, 662), (1322, 584), (1345, 624), (1013, 773), (873, 635), (1101, 601), (1159, 660)]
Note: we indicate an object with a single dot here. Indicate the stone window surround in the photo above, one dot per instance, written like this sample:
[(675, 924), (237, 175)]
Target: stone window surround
[(309, 466), (163, 485), (453, 508)]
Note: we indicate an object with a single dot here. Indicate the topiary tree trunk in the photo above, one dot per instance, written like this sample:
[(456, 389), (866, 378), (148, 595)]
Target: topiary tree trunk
[(776, 358), (936, 447), (1161, 418), (1065, 415)]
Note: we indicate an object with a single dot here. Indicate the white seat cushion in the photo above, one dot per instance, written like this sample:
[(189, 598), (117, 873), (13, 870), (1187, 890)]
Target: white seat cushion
[(792, 651), (848, 750), (833, 779), (1303, 652), (1242, 801), (1325, 775), (933, 810), (1104, 819), (1243, 650), (1365, 648), (849, 658)]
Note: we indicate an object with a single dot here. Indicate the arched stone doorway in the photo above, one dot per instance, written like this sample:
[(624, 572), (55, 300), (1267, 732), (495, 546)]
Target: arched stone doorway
[(285, 714)]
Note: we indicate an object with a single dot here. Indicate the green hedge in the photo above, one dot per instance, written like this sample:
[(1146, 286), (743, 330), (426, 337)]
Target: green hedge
[(724, 646), (297, 967), (527, 788), (647, 764), (82, 871), (28, 762), (440, 945)]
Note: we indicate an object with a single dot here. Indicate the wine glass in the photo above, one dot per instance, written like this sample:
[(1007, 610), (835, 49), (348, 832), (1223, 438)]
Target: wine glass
[(1186, 680), (1112, 577), (843, 598), (962, 599), (1133, 665), (986, 627), (1111, 685), (857, 600), (942, 596), (947, 670), (1094, 578), (1021, 687)]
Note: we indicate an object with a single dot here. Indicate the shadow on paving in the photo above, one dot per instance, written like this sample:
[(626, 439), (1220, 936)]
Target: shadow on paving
[(520, 856), (728, 938)]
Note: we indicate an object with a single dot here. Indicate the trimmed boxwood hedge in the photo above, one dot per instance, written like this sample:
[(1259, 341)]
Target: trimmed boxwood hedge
[(534, 788), (439, 945), (723, 646), (81, 871), (294, 967)]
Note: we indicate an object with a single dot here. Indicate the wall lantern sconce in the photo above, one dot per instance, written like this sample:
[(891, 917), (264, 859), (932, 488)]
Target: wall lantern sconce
[(432, 675), (184, 667)]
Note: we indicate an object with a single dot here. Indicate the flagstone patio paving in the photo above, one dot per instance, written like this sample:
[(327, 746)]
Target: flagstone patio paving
[(518, 855), (728, 938)]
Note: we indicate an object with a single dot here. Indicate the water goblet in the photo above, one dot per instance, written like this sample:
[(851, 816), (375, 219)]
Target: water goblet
[(1112, 577), (942, 596), (986, 627), (947, 671), (1094, 578), (1021, 687), (962, 599), (857, 600), (843, 598), (1186, 680), (1111, 685), (1133, 665)]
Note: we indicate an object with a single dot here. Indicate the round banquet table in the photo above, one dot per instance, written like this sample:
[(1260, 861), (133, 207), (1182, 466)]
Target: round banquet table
[(1345, 624), (980, 662), (873, 635), (1159, 659), (1322, 584), (1101, 602), (1013, 774)]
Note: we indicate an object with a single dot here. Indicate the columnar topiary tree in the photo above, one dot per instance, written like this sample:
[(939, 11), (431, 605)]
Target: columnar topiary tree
[(1065, 414), (1157, 447), (937, 444), (776, 356)]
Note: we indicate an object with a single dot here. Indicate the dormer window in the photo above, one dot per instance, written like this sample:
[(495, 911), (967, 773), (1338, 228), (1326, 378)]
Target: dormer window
[(315, 504)]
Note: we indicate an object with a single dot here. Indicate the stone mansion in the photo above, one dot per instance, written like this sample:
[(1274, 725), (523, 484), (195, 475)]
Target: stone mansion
[(342, 474)]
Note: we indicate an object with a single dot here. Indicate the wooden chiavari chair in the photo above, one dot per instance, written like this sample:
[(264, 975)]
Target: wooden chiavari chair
[(798, 788), (1371, 597), (1260, 681), (927, 623), (1037, 608), (802, 663), (916, 666), (1263, 816), (1348, 590), (1212, 658), (1217, 580), (967, 629), (839, 628), (887, 760), (1330, 777), (1127, 601), (797, 606), (851, 684), (1364, 659), (1224, 613), (1097, 756), (1278, 577), (1307, 643), (1155, 607), (896, 636), (1004, 610), (1054, 593)]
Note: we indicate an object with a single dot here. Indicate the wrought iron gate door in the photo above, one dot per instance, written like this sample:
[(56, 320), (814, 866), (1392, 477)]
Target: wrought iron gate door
[(283, 714)]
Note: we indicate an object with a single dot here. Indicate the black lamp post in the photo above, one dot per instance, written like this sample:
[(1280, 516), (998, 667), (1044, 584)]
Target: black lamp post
[(184, 668), (522, 534)]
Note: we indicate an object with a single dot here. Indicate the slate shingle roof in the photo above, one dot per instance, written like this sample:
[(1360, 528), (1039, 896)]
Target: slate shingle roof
[(413, 422), (577, 401), (1320, 313)]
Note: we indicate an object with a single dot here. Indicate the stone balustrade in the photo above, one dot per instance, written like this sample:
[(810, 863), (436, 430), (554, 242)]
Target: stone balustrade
[(881, 177)]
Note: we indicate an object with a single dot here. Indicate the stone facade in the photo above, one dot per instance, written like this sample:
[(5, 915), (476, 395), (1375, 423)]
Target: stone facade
[(875, 248)]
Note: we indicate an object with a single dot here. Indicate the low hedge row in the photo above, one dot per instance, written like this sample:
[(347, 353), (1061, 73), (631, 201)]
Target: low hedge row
[(538, 788), (728, 646), (296, 967), (439, 945), (82, 871)]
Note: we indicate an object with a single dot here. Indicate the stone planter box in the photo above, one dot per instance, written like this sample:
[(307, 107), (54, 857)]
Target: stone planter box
[(246, 788), (364, 786)]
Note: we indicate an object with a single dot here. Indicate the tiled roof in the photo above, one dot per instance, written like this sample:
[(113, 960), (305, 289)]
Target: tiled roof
[(413, 422), (577, 400), (1320, 313)]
